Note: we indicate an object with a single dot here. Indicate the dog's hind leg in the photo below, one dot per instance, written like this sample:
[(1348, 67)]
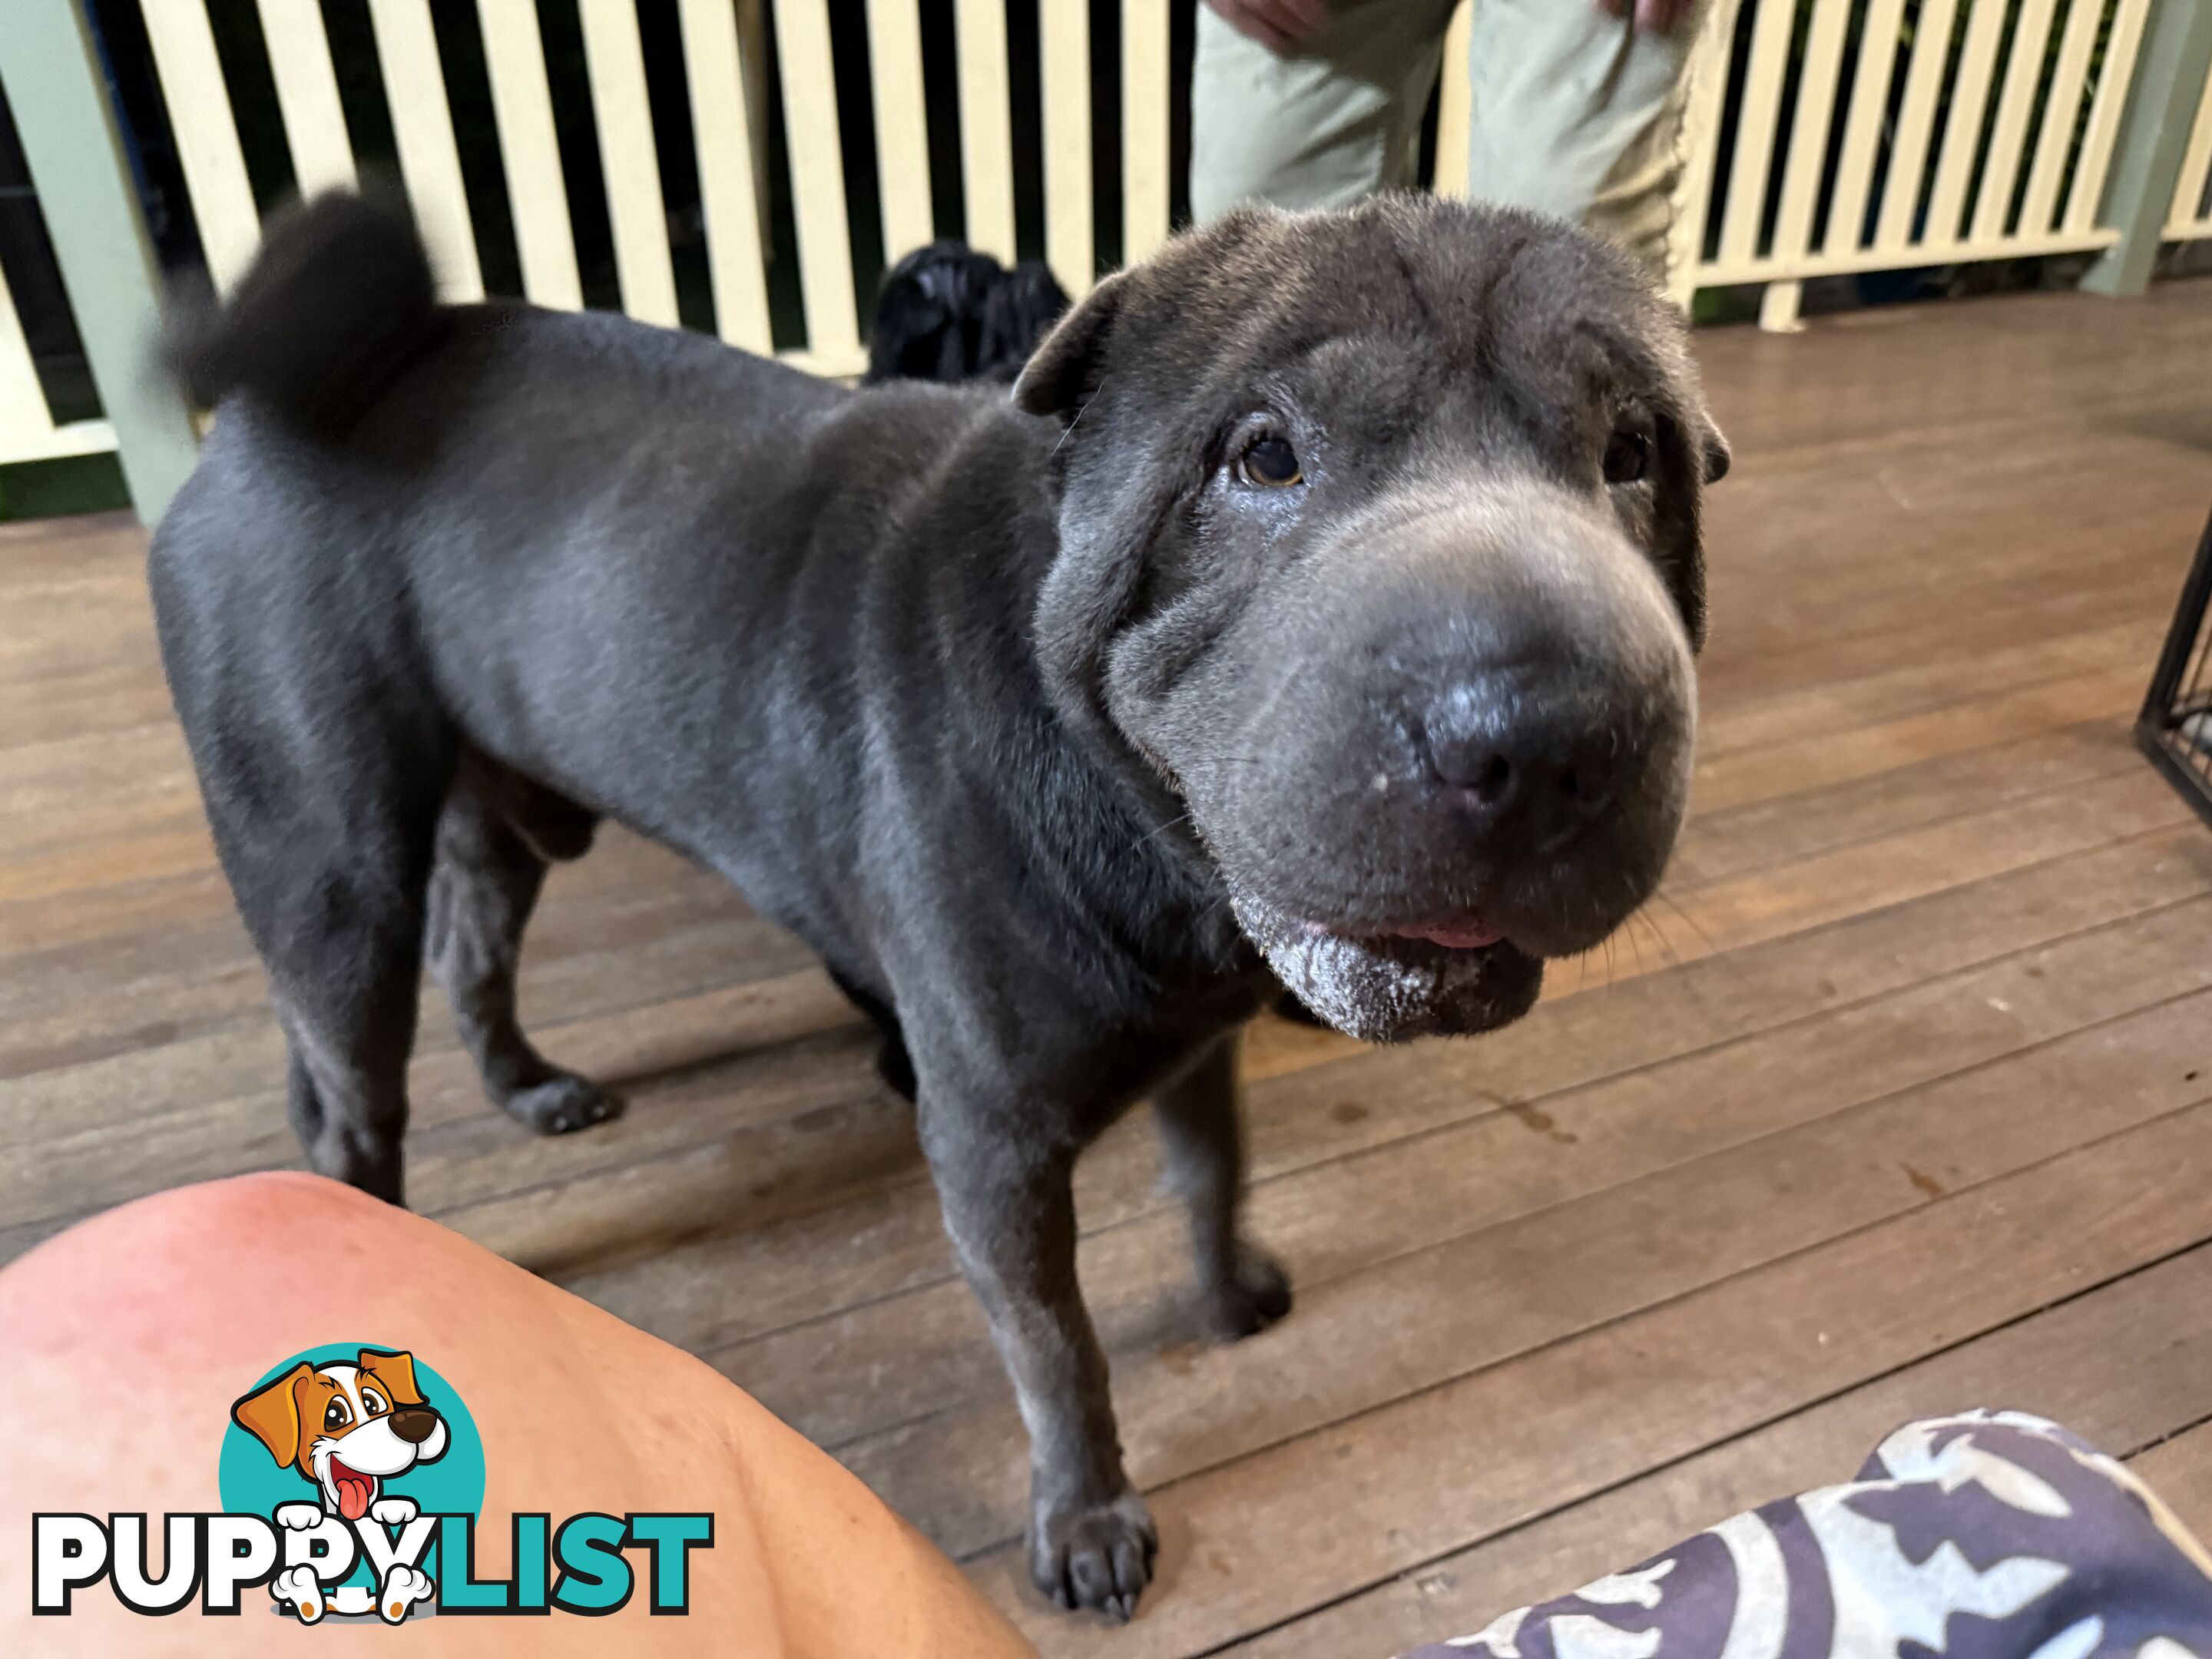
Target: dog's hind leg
[(330, 877), (495, 836), (1243, 1288)]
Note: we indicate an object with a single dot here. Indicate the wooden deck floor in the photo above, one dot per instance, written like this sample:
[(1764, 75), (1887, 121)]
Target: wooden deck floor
[(1902, 1100)]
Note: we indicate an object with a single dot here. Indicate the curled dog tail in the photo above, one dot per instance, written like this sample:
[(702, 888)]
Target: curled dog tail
[(338, 299)]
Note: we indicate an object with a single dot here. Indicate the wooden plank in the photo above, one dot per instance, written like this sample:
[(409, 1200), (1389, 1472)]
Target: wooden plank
[(198, 103), (307, 96), (1764, 67), (1146, 187), (1809, 127), (1916, 117), (1862, 126), (2179, 1469), (1431, 1473), (817, 180), (1388, 1230), (2062, 108), (1758, 774), (723, 131), (986, 133), (781, 1048), (2023, 76), (422, 127), (2155, 1375), (615, 59), (530, 152), (1392, 1233), (1339, 1101), (1064, 67), (1851, 703), (1789, 828), (902, 126), (661, 943)]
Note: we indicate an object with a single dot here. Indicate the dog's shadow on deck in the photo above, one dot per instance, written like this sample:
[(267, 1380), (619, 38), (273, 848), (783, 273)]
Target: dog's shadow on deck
[(743, 1117)]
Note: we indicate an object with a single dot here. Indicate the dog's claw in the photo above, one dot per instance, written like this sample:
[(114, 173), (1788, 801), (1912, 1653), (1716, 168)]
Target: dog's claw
[(1099, 1558), (392, 1511), (562, 1105), (299, 1517)]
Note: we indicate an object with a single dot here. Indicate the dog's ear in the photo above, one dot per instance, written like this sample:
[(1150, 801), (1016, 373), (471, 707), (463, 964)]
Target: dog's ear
[(271, 1414), (396, 1371), (1068, 368), (1718, 456)]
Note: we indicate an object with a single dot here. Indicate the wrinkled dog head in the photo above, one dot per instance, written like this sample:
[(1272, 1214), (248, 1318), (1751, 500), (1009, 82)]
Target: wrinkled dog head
[(1379, 545)]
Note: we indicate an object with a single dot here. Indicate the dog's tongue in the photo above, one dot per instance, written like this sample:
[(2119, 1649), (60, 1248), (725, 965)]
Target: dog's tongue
[(353, 1491)]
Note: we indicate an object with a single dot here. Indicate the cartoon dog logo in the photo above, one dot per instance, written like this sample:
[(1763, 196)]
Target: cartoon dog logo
[(347, 1430)]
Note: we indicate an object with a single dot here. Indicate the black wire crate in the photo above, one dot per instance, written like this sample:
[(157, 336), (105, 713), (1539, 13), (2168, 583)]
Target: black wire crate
[(2175, 726)]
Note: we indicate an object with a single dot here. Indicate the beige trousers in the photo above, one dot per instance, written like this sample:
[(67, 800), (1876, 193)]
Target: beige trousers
[(1572, 112)]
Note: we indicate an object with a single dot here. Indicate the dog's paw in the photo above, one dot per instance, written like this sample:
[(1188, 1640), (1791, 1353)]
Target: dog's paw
[(1099, 1558), (392, 1511), (562, 1105), (299, 1517), (1255, 1298), (402, 1587), (298, 1589)]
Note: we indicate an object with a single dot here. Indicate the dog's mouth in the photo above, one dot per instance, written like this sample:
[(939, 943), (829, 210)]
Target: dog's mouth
[(1454, 975), (356, 1490)]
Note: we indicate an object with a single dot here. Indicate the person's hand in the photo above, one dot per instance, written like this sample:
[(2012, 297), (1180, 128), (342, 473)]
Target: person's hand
[(1652, 16), (1275, 24)]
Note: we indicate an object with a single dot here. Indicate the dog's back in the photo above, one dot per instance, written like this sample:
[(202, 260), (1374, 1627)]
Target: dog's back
[(662, 579)]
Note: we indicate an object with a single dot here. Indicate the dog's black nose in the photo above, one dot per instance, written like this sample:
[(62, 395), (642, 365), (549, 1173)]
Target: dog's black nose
[(1523, 759), (413, 1423)]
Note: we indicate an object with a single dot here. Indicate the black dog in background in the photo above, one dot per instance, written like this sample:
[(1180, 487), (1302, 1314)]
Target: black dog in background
[(947, 313)]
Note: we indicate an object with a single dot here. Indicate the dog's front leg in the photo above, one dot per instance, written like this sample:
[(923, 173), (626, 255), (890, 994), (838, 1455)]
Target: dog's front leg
[(1242, 1288), (1010, 1209)]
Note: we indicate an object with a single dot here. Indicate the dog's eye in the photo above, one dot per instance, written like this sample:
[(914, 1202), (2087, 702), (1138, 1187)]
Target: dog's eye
[(336, 1415), (372, 1403), (1272, 463), (1627, 456)]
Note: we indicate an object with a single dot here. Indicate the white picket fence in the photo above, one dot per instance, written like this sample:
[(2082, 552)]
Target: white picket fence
[(2017, 167), (2189, 219), (1980, 193)]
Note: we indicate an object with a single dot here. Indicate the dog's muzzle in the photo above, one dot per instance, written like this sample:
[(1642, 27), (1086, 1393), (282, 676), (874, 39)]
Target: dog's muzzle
[(1393, 988)]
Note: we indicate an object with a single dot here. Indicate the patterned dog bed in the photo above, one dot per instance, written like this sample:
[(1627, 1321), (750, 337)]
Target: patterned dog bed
[(1986, 1535)]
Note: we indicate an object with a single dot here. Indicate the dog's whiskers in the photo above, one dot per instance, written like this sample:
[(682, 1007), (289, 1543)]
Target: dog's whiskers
[(1150, 836), (1081, 410)]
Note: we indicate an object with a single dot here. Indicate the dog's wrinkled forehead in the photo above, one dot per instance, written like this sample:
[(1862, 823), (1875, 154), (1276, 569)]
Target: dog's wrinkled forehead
[(1402, 298)]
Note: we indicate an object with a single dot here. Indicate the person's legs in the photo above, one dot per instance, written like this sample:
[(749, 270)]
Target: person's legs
[(130, 1337), (1577, 114), (1321, 124)]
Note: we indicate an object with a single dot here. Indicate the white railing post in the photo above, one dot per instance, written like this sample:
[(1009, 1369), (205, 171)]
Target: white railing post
[(2170, 74), (52, 74)]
